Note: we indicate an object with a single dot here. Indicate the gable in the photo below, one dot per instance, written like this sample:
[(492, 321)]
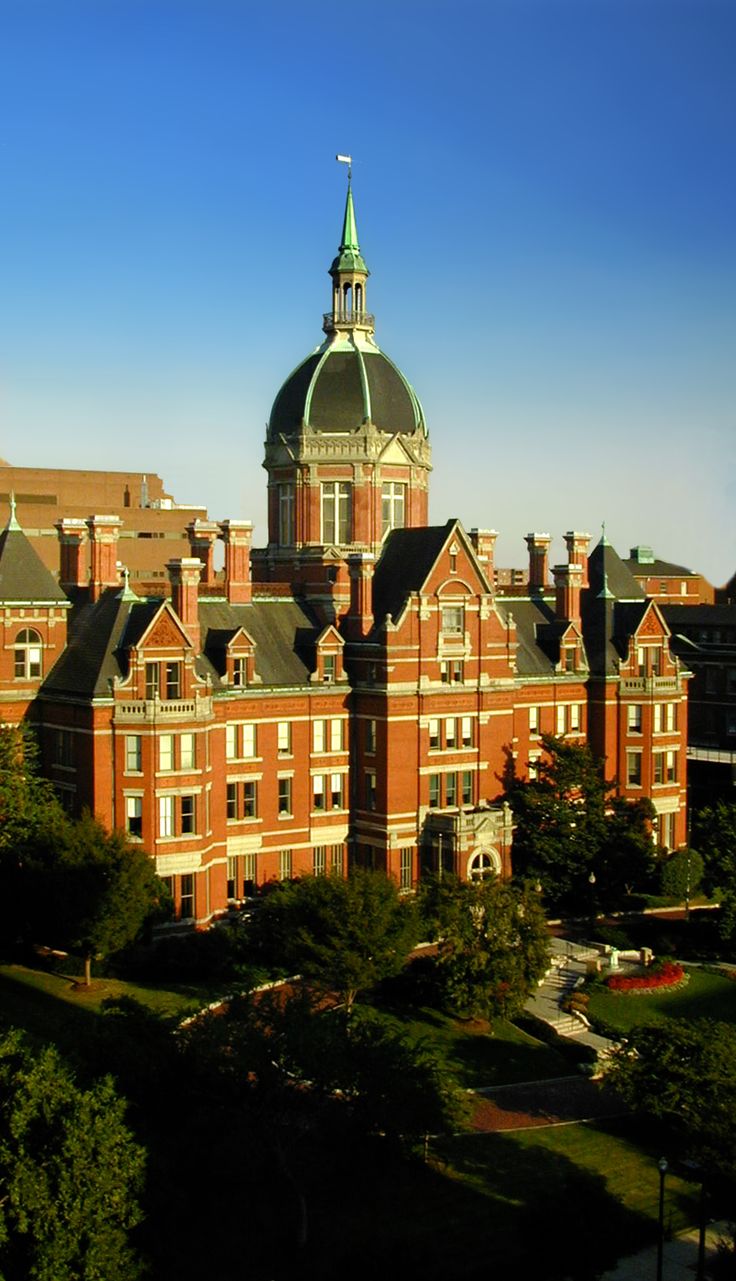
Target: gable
[(164, 632), (651, 625)]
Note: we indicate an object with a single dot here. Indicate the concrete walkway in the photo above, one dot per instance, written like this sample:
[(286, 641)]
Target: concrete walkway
[(569, 965), (679, 1257)]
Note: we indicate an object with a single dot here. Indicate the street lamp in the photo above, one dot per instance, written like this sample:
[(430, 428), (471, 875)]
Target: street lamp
[(662, 1167), (591, 883)]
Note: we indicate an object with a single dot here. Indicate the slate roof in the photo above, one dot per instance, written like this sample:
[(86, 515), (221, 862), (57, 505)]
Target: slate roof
[(341, 386), (23, 576), (604, 562), (656, 568), (99, 635), (700, 615), (283, 630), (532, 617), (406, 561)]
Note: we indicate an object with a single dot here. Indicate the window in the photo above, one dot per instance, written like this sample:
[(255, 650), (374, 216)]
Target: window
[(166, 752), (166, 816), (533, 720), (453, 562), (284, 738), (186, 751), (318, 736), (451, 673), (250, 799), (633, 718), (641, 661), (481, 867), (656, 661), (318, 792), (569, 658), (533, 768), (133, 753), (240, 672), (284, 865), (329, 668), (187, 897), (231, 742), (336, 861), (451, 789), (711, 680), (671, 717), (335, 735), (405, 868), (434, 732), (370, 737), (731, 680), (173, 680), (658, 767), (467, 787), (188, 815), (284, 796), (231, 800), (319, 860), (670, 774), (633, 769), (658, 718), (152, 680), (336, 791), (453, 617), (466, 730), (434, 791), (336, 514), (450, 731), (560, 720), (249, 740), (393, 506), (575, 718), (134, 816), (286, 515), (249, 873), (370, 790), (28, 648)]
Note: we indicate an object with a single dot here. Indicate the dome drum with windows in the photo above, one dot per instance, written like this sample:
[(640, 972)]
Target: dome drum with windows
[(346, 449)]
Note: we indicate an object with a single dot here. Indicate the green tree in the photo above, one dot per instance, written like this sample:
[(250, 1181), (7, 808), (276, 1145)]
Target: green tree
[(105, 891), (31, 821), (714, 833), (684, 1074), (70, 1173), (625, 863), (343, 936), (680, 874), (560, 822), (492, 944)]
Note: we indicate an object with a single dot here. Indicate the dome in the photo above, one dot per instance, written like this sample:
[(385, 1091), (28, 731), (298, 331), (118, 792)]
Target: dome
[(340, 387)]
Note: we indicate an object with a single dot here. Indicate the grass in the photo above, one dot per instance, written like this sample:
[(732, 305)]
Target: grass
[(705, 996), (478, 1053)]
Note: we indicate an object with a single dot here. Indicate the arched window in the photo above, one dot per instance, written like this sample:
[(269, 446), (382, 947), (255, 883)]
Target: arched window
[(483, 864), (28, 649)]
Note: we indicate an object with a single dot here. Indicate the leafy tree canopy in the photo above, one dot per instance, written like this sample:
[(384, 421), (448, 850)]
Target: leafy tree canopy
[(684, 1073), (70, 1173), (714, 833), (342, 935), (493, 943), (568, 826)]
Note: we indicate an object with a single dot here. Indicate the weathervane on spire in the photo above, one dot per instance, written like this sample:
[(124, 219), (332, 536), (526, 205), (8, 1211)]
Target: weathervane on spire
[(346, 160)]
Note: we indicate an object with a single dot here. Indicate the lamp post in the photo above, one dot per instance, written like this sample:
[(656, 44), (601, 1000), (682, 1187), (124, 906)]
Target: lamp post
[(662, 1167), (591, 883)]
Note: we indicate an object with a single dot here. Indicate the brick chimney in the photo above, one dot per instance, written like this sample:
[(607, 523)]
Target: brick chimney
[(577, 551), (568, 583), (237, 536), (359, 618), (203, 534), (73, 552), (103, 537), (484, 544), (538, 545), (184, 575)]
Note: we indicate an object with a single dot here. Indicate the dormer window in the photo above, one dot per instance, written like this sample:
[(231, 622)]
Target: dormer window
[(239, 672), (453, 620), (28, 650), (329, 668)]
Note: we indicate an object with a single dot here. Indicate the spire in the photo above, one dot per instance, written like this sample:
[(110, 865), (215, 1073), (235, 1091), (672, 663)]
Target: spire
[(13, 520), (349, 275)]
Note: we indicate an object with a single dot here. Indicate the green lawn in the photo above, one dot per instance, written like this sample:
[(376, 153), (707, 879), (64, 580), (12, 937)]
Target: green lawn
[(705, 996), (478, 1054)]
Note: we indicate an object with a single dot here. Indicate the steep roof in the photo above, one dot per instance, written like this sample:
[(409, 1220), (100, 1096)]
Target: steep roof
[(99, 635), (533, 619), (23, 576), (406, 561), (607, 571), (656, 568), (283, 630)]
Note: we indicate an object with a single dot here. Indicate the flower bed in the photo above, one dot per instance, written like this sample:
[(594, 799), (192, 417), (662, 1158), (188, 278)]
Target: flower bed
[(669, 974)]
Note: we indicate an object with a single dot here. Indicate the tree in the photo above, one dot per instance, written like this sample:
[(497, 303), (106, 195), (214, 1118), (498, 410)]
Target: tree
[(568, 826), (104, 891), (70, 1173), (680, 874), (31, 820), (342, 935), (714, 833), (684, 1073), (493, 944), (559, 821)]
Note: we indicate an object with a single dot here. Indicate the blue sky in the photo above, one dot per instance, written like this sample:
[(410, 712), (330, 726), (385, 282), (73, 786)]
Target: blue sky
[(546, 197)]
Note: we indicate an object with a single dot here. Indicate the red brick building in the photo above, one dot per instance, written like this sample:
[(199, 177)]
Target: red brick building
[(358, 689)]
